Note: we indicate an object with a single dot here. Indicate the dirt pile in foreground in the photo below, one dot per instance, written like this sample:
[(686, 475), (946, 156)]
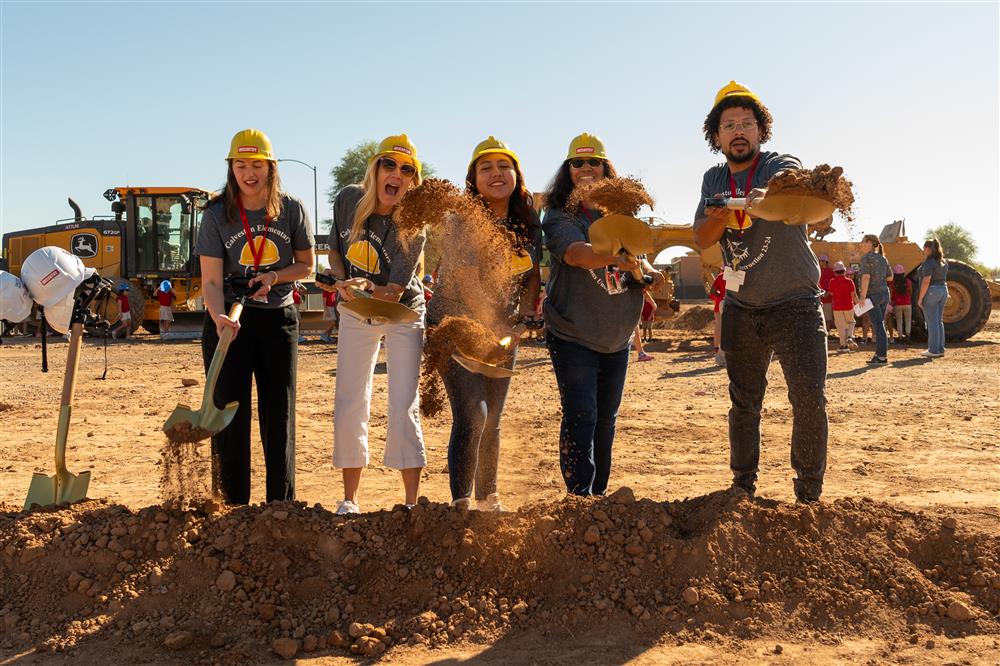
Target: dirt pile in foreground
[(233, 586), (693, 318)]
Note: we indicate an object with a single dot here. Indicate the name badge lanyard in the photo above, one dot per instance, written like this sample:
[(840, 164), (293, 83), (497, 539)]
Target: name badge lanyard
[(258, 252), (741, 215)]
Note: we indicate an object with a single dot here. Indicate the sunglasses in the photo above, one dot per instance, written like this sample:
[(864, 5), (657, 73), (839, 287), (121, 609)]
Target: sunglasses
[(579, 162), (389, 164)]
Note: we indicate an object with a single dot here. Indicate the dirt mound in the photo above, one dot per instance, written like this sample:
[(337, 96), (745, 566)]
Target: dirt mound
[(693, 318), (824, 181), (233, 585), (621, 196)]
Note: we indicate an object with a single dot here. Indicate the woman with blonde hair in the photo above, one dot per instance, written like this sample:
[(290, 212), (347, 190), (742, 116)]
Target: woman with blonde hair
[(254, 234), (367, 253)]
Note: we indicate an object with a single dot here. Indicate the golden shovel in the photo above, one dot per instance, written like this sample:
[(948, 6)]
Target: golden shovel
[(615, 234), (491, 370), (788, 208), (367, 306), (64, 486)]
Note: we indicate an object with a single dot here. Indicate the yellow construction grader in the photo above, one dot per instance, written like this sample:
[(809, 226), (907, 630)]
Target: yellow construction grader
[(969, 294), (149, 238)]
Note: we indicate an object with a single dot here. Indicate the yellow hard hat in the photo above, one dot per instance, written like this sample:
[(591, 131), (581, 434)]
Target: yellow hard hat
[(250, 144), (492, 145), (401, 146), (733, 89), (586, 145)]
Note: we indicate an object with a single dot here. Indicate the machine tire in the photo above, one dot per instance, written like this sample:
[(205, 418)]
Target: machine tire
[(136, 306), (968, 307)]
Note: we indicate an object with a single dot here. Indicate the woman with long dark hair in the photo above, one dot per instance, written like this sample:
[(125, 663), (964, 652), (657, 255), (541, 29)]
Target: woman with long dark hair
[(933, 296), (875, 274), (590, 316), (252, 231), (494, 177)]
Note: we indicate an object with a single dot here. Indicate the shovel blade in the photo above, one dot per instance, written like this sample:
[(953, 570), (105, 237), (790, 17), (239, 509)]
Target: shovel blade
[(209, 418), (43, 492)]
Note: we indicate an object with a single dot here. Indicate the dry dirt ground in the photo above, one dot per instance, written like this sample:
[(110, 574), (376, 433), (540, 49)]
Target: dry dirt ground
[(917, 437)]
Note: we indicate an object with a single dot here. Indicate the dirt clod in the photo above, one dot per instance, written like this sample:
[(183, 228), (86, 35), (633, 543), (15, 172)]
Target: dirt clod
[(826, 182), (284, 647), (612, 196)]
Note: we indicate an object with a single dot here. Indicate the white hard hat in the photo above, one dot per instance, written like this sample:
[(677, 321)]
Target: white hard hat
[(51, 275), (15, 301), (59, 315)]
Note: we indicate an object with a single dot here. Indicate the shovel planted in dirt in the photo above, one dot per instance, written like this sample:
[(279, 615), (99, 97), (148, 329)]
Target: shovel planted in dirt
[(64, 486), (189, 425), (789, 208)]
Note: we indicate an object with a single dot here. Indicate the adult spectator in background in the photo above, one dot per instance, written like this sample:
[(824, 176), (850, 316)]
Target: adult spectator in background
[(875, 275), (825, 275), (933, 296), (165, 296)]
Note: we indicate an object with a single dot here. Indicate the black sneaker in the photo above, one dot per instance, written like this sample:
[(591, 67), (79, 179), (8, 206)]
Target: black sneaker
[(878, 361)]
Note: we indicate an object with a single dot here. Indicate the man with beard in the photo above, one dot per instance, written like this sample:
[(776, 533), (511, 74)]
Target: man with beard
[(772, 305)]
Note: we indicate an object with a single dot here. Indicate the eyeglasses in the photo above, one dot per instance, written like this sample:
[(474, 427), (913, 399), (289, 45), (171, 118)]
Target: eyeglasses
[(733, 126), (593, 161), (389, 164)]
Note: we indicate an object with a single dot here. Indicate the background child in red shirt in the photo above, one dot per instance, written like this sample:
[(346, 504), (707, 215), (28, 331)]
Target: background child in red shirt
[(718, 295), (902, 302), (166, 296), (844, 297)]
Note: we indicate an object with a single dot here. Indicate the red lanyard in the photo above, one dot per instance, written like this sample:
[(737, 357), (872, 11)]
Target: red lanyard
[(741, 216), (257, 253)]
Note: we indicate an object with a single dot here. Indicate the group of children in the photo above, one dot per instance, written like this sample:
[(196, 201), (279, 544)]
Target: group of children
[(841, 295)]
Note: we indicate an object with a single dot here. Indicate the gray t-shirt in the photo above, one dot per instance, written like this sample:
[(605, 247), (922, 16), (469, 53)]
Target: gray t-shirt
[(227, 240), (937, 272), (877, 266), (776, 257), (379, 255), (451, 298), (579, 307)]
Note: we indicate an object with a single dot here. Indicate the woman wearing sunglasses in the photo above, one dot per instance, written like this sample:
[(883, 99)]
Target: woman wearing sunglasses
[(495, 178), (591, 312), (366, 253)]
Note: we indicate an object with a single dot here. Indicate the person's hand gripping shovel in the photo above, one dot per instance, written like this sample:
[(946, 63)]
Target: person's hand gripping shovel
[(187, 425), (777, 206)]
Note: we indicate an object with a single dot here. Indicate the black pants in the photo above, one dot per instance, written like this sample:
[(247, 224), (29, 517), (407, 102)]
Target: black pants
[(474, 446), (795, 332), (265, 349)]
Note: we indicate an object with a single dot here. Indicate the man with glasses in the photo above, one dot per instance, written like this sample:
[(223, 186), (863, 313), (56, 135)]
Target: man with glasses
[(772, 305)]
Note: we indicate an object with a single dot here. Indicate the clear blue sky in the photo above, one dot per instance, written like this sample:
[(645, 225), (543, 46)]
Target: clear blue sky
[(904, 96)]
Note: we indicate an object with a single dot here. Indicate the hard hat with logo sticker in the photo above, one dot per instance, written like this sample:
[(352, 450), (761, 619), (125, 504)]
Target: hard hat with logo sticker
[(51, 275), (15, 301), (399, 146), (733, 89), (586, 145), (491, 146), (250, 144)]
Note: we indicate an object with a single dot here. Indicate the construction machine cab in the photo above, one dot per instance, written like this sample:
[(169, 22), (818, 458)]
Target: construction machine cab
[(165, 223)]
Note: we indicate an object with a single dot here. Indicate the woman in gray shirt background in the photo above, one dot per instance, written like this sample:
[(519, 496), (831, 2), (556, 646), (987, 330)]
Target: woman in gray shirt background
[(875, 276), (933, 296)]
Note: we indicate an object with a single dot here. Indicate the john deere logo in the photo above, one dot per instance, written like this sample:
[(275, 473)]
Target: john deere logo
[(84, 245)]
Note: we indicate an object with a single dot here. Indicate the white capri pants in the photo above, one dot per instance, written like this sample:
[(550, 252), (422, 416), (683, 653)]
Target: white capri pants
[(357, 354)]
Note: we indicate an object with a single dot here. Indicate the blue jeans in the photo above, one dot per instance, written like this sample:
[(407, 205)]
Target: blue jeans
[(877, 317), (474, 447), (934, 300), (590, 389)]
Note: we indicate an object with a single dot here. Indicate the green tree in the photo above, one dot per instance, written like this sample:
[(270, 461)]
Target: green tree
[(352, 166), (956, 242)]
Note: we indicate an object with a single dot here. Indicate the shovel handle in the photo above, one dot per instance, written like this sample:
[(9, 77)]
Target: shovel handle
[(220, 354), (66, 402), (732, 203)]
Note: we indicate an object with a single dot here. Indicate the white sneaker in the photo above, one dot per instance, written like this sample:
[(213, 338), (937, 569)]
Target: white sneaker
[(491, 503), (347, 507), (929, 354), (462, 504)]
